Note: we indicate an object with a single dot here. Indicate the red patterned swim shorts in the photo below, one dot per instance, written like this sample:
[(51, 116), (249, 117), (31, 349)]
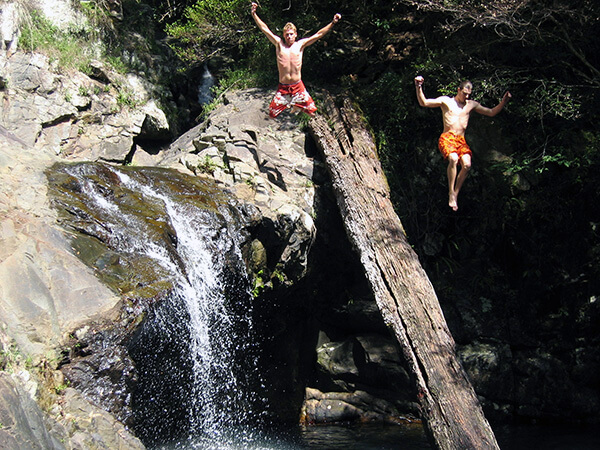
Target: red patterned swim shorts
[(289, 96), (453, 143)]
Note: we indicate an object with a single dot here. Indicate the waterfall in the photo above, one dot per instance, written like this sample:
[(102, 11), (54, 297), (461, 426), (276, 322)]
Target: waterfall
[(195, 353), (204, 88)]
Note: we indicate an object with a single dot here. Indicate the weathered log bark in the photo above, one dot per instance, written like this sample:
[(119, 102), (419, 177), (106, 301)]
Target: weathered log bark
[(450, 409)]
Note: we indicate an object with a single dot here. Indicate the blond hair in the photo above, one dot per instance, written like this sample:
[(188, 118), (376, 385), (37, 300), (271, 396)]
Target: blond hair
[(290, 26)]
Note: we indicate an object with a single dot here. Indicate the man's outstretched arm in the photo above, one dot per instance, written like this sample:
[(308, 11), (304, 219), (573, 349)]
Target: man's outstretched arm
[(491, 112), (322, 32), (423, 101), (263, 26)]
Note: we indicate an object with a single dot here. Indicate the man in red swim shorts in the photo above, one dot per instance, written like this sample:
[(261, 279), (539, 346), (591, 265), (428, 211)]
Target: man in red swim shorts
[(292, 96), (291, 92), (455, 113)]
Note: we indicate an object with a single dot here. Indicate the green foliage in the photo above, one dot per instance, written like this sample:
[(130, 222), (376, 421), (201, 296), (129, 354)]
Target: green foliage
[(125, 98), (60, 388), (554, 99), (223, 12), (302, 119), (116, 62), (382, 24), (98, 16), (231, 79), (11, 358), (208, 165), (261, 61), (66, 49), (209, 27), (523, 227), (83, 91), (262, 281), (441, 76), (75, 48), (258, 284)]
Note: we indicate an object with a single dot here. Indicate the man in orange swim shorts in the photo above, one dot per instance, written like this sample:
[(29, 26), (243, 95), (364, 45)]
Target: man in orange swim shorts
[(291, 92), (452, 144)]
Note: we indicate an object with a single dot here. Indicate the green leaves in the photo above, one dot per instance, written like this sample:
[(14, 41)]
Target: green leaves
[(67, 49), (210, 27)]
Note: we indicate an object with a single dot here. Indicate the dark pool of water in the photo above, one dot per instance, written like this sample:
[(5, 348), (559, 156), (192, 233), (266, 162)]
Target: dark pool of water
[(374, 436), (557, 437), (383, 437), (510, 437)]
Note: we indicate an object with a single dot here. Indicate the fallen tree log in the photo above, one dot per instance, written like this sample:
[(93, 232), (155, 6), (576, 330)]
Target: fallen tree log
[(450, 410)]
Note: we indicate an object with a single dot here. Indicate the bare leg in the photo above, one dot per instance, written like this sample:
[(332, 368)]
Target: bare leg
[(465, 162), (452, 163)]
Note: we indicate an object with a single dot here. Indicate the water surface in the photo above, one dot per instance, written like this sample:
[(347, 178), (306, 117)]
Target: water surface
[(392, 437)]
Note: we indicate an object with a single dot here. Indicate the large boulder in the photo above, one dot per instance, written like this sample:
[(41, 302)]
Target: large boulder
[(95, 117), (268, 163), (46, 290)]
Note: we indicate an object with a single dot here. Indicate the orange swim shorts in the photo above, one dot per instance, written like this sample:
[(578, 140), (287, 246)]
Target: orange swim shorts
[(453, 143), (289, 96)]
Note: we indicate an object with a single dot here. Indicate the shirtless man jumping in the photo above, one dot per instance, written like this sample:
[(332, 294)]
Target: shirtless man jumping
[(291, 91), (455, 112)]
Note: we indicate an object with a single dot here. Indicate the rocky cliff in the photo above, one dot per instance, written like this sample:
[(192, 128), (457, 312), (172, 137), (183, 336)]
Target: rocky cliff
[(61, 307)]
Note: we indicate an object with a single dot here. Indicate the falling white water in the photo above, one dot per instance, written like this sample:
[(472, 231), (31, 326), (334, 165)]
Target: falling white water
[(215, 392), (202, 290), (205, 87)]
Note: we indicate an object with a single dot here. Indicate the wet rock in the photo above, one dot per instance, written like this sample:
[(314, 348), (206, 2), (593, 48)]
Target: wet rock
[(357, 406), (46, 289), (102, 371), (369, 362), (88, 426), (489, 368)]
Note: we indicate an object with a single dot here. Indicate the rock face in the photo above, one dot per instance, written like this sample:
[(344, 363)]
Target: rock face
[(23, 424), (76, 116), (10, 19), (155, 236), (261, 161), (46, 290), (46, 293), (51, 300)]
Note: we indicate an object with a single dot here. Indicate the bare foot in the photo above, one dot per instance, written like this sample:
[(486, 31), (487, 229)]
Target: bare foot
[(452, 202)]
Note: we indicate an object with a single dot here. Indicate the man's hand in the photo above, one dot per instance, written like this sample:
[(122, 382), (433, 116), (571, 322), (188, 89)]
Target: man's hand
[(336, 18), (506, 97), (419, 80), (253, 7)]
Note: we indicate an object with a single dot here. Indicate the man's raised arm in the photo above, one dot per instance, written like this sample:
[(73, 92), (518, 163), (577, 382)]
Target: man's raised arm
[(263, 26), (496, 109), (427, 102), (322, 32)]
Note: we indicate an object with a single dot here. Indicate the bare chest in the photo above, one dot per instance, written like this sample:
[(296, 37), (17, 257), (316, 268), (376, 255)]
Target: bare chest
[(290, 55)]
